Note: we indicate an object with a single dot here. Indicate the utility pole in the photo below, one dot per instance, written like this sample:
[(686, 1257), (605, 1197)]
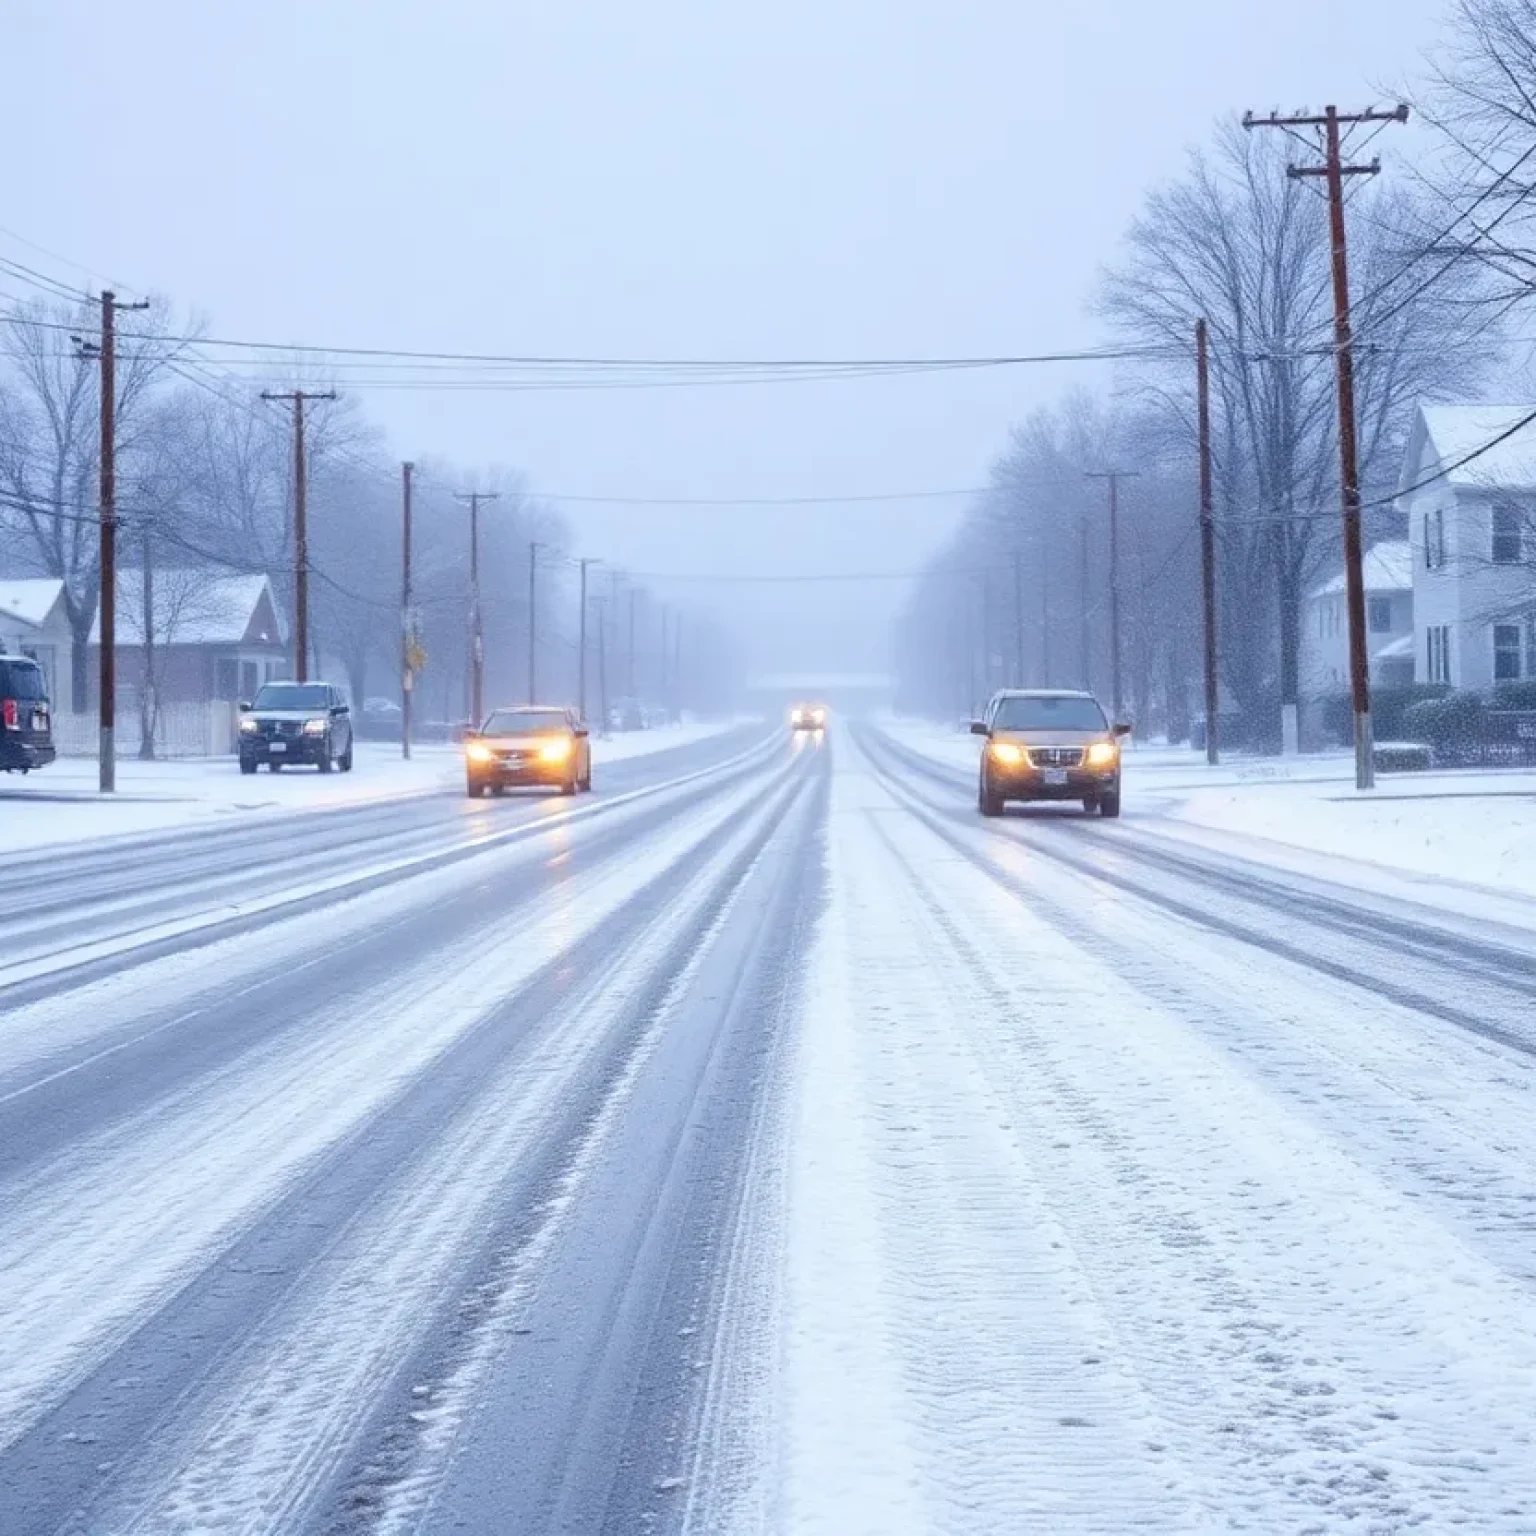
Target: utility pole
[(1045, 613), (1113, 477), (297, 397), (1087, 623), (601, 604), (106, 352), (1333, 171), (476, 629), (407, 629), (1018, 618), (581, 647), (533, 614), (1207, 544), (147, 653), (630, 659)]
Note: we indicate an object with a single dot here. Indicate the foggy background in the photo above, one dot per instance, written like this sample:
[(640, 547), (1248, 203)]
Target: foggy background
[(848, 180)]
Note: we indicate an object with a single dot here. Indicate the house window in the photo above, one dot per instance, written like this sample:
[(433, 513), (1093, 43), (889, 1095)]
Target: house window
[(1437, 657), (1380, 615), (249, 680), (226, 682), (1507, 533), (1434, 539), (1506, 653)]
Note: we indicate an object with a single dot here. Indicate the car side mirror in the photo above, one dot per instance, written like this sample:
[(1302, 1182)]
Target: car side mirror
[(582, 730), (244, 706), (979, 728), (1122, 729), (469, 733), (338, 709)]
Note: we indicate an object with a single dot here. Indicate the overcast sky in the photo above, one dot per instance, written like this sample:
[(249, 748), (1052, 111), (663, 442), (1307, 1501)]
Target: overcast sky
[(693, 178)]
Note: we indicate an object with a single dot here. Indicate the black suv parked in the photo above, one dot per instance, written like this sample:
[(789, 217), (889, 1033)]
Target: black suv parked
[(26, 728), (296, 723)]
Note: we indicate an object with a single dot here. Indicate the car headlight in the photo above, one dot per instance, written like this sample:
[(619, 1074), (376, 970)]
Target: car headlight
[(477, 752), (315, 727), (248, 724), (555, 751), (1006, 752), (1102, 754)]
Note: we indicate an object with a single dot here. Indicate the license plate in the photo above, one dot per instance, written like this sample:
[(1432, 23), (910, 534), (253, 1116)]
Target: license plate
[(277, 746), (1055, 776)]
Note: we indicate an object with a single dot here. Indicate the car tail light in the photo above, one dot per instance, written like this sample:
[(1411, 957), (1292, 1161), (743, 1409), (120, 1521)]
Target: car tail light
[(11, 714)]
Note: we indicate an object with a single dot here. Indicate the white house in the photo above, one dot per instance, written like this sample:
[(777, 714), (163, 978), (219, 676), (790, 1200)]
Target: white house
[(1388, 572), (33, 623), (1468, 490)]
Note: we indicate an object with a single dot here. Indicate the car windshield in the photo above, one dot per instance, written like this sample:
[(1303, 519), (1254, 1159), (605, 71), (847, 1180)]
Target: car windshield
[(21, 679), (293, 696), (1070, 712), (525, 722)]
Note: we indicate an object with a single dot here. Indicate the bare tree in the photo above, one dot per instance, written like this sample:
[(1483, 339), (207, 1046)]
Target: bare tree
[(49, 442), (1239, 243)]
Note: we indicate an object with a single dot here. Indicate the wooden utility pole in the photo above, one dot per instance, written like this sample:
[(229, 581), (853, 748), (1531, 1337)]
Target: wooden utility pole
[(106, 351), (407, 627), (1207, 544), (533, 620), (1086, 617), (601, 604), (476, 629), (1018, 618), (297, 397), (1114, 477), (581, 645), (1333, 171)]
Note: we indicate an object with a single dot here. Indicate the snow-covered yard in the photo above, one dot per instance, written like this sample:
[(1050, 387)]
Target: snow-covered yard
[(61, 804)]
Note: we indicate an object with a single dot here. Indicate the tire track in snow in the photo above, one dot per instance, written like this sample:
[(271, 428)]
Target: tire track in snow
[(106, 1237), (255, 1447), (1328, 1350), (1443, 1115), (946, 1368)]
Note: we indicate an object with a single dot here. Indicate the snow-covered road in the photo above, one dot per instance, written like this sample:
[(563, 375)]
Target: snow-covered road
[(765, 1145)]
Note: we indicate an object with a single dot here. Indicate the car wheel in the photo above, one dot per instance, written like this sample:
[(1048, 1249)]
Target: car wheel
[(344, 762), (474, 788), (988, 801), (1090, 804), (323, 762), (498, 789), (1109, 805), (247, 765), (568, 787), (274, 767)]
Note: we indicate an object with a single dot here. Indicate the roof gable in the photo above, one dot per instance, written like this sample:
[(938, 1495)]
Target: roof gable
[(1471, 447), (196, 608), (30, 600), (1387, 567)]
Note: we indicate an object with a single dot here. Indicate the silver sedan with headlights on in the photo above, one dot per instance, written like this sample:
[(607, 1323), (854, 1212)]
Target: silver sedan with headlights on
[(296, 723), (1048, 744)]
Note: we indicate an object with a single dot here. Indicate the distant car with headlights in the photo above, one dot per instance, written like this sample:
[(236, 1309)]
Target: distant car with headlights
[(288, 723), (528, 745), (808, 717), (1048, 744)]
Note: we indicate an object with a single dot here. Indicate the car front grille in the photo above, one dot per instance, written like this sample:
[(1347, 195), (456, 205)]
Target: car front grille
[(1056, 757)]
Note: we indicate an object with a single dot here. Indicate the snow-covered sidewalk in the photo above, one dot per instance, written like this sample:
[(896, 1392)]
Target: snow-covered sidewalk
[(1469, 827), (61, 803)]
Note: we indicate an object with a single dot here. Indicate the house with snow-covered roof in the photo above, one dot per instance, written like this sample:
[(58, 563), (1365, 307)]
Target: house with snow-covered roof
[(33, 623), (219, 637), (1468, 493)]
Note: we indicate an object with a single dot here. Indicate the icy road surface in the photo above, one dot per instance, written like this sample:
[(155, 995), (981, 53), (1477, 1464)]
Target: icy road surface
[(762, 1144)]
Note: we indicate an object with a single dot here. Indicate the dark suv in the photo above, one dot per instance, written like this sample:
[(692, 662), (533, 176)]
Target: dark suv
[(26, 726), (296, 723)]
